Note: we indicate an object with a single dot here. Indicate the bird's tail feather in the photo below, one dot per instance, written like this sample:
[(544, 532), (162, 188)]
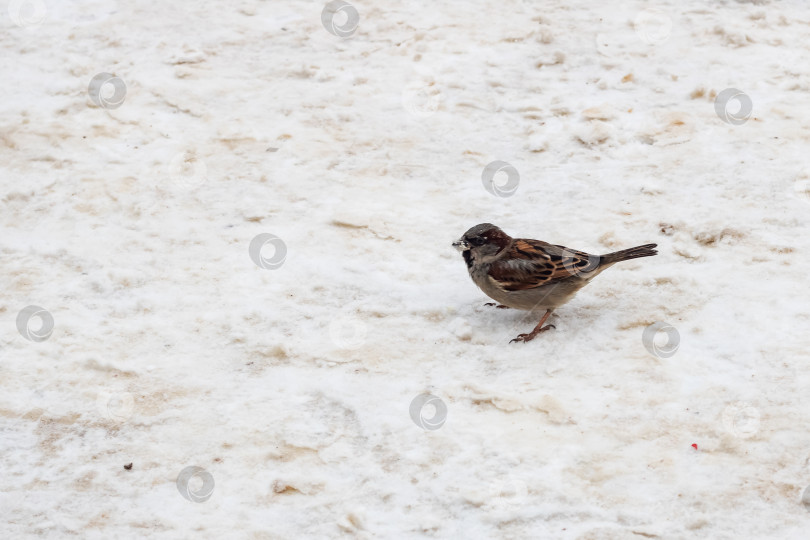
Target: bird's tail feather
[(647, 250)]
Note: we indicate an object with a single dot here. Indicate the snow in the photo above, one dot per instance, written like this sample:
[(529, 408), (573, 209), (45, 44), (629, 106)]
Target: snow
[(291, 385)]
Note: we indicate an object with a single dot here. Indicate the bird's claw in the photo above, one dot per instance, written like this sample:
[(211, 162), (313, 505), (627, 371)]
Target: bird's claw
[(530, 336)]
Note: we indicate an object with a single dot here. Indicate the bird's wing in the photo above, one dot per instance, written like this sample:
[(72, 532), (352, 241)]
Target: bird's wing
[(532, 263)]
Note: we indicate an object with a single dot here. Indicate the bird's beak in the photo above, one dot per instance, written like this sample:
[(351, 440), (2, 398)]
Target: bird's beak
[(461, 245)]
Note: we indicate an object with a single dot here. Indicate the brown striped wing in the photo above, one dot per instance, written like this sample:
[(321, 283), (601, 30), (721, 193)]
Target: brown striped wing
[(533, 263)]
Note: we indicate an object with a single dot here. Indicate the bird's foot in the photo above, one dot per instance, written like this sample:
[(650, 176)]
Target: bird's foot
[(499, 306), (531, 335)]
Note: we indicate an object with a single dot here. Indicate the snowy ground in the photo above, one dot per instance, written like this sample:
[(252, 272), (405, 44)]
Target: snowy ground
[(290, 387)]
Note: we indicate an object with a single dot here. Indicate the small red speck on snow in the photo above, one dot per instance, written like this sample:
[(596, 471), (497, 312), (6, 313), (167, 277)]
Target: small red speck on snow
[(694, 445)]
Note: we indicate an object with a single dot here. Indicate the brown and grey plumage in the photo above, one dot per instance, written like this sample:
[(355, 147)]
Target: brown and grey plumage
[(528, 274)]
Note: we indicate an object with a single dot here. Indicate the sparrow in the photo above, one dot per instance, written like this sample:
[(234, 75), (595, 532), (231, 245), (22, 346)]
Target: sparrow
[(530, 274)]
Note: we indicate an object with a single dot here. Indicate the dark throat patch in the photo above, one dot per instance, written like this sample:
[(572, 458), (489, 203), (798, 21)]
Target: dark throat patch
[(468, 258)]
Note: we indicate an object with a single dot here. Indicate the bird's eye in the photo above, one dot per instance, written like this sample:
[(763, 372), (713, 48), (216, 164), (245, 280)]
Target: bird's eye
[(477, 241)]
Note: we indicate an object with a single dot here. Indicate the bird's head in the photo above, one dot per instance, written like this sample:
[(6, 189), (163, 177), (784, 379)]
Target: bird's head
[(482, 242)]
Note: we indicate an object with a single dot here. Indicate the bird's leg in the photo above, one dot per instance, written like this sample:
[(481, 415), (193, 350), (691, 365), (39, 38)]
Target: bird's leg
[(537, 329), (499, 306)]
